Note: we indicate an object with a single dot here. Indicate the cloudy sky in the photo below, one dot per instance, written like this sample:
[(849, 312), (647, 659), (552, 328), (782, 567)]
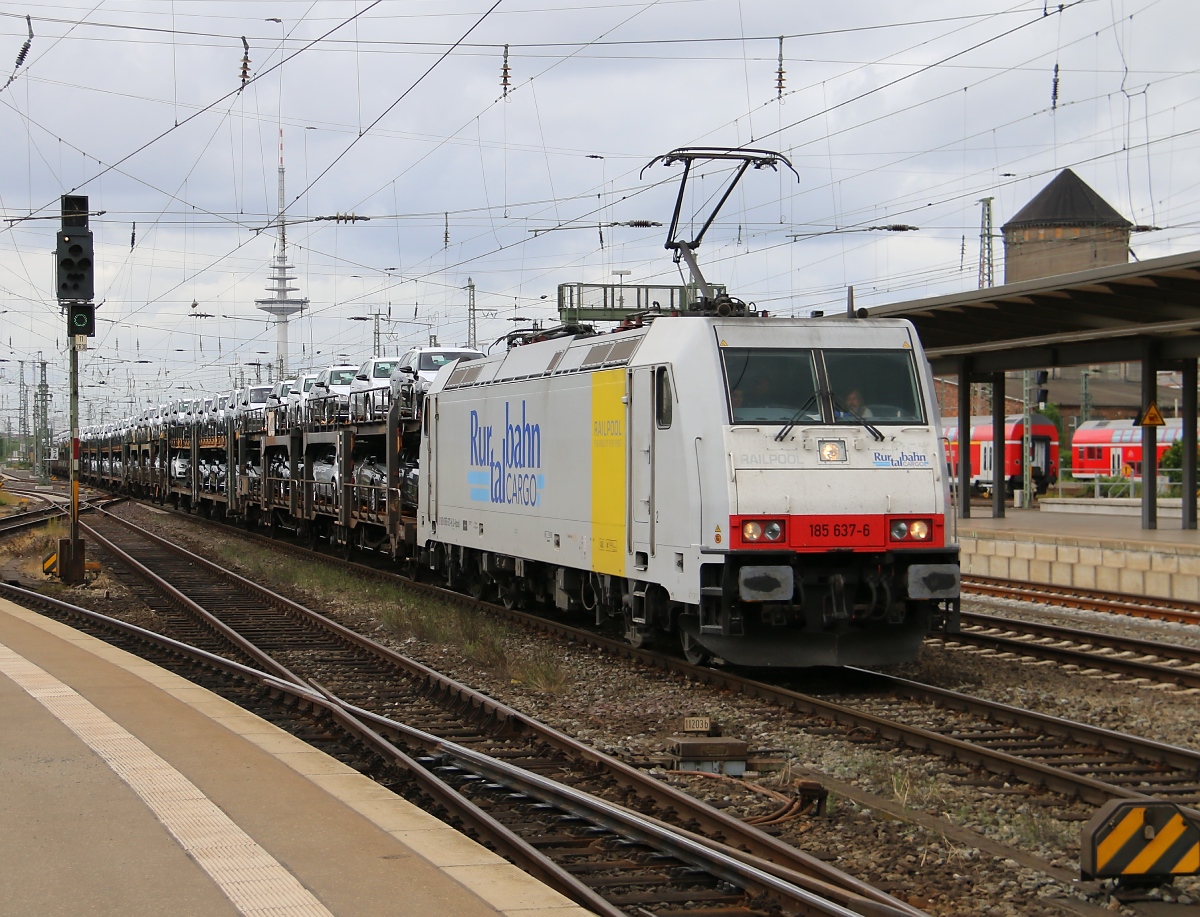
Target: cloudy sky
[(395, 110)]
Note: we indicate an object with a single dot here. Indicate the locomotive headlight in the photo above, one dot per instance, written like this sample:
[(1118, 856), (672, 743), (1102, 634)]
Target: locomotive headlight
[(832, 450), (754, 531), (909, 530)]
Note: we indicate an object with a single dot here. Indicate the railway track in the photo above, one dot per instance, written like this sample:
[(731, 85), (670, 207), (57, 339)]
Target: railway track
[(56, 506), (19, 522), (1088, 650), (534, 782), (1072, 759), (1087, 599), (1067, 757)]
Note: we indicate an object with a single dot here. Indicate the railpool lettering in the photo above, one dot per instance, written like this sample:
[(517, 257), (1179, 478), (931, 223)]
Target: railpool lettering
[(513, 477), (601, 428), (769, 458)]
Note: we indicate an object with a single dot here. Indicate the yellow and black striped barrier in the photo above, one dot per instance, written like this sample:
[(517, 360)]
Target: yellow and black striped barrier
[(1132, 840)]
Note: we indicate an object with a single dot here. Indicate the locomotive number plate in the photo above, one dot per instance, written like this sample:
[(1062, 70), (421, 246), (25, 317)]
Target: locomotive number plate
[(839, 531)]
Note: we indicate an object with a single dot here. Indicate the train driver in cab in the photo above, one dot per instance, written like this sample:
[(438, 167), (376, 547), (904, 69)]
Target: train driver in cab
[(852, 405)]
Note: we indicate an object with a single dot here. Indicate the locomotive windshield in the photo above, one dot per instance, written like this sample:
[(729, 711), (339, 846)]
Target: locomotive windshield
[(876, 385), (769, 385), (777, 385)]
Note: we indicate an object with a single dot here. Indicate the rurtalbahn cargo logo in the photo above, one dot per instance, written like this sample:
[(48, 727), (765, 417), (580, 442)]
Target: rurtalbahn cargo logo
[(511, 461), (902, 460)]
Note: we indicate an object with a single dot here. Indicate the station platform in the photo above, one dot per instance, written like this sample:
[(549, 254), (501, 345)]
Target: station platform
[(1085, 548), (128, 790)]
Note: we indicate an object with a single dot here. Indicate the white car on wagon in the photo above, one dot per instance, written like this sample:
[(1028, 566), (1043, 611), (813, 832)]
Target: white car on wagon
[(374, 374), (333, 380)]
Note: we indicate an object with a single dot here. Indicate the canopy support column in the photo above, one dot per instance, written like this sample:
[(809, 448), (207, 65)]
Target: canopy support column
[(1189, 442), (999, 484), (964, 438), (1149, 440)]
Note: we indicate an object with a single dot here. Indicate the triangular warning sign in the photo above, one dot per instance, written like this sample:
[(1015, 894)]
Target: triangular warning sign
[(1153, 417)]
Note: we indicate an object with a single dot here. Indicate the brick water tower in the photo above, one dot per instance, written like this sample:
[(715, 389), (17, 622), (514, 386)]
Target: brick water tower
[(1067, 227)]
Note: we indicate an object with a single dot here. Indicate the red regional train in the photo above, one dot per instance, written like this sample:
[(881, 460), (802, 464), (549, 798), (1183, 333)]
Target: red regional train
[(1113, 448), (1045, 452)]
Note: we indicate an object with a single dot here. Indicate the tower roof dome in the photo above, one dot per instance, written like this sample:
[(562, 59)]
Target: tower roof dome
[(1067, 201)]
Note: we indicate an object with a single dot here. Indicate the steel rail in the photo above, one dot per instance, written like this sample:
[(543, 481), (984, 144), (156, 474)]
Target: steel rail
[(1176, 610), (617, 818), (34, 517), (730, 865), (46, 496), (182, 601), (1080, 655), (1182, 652), (799, 865), (1036, 773), (525, 855), (28, 519), (1149, 749), (1033, 772), (528, 857)]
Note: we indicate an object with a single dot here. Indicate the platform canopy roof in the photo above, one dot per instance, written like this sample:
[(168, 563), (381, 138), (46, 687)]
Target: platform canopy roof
[(1115, 314)]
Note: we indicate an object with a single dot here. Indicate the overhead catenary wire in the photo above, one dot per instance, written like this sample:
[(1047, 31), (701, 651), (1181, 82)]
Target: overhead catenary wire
[(158, 137), (558, 201)]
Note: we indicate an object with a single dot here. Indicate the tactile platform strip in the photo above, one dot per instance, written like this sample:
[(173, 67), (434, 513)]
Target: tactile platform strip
[(250, 877)]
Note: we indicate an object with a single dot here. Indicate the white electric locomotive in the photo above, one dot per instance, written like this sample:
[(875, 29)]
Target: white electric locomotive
[(768, 491)]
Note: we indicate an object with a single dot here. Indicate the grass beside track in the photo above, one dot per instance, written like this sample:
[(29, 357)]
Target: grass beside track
[(483, 641), (11, 503), (36, 541)]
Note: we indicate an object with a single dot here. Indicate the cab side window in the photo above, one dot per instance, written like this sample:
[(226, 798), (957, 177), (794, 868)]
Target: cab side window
[(663, 402)]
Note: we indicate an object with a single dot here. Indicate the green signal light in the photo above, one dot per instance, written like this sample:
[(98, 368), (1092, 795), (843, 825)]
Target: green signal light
[(81, 319)]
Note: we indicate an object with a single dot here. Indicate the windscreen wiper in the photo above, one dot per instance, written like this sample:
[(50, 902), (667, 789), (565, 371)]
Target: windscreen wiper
[(838, 406), (790, 425)]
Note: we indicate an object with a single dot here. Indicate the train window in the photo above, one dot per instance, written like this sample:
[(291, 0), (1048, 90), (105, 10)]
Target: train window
[(771, 385), (663, 402), (555, 360), (879, 385), (464, 374), (456, 377), (622, 350), (597, 354)]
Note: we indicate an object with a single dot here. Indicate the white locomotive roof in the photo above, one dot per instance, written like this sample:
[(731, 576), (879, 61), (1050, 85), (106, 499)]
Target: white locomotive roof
[(654, 340)]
